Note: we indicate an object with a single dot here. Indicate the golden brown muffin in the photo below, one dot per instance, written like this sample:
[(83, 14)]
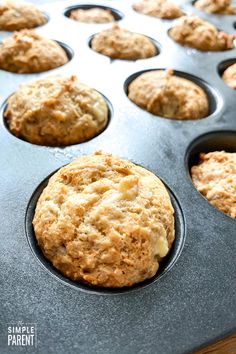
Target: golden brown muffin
[(16, 15), (215, 178), (56, 111), (166, 95), (158, 8), (220, 7), (229, 76), (27, 52), (105, 221), (119, 43), (93, 15), (193, 32)]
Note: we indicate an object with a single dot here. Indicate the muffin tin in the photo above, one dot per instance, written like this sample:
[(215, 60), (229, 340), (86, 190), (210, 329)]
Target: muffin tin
[(192, 300)]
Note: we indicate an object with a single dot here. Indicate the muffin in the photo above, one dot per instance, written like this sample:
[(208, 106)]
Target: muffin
[(220, 7), (104, 221), (56, 111), (92, 15), (16, 15), (158, 8), (27, 52), (229, 76), (215, 178), (162, 93), (193, 32), (119, 43)]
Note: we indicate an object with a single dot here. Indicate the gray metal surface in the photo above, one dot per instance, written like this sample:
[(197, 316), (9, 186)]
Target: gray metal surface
[(191, 305)]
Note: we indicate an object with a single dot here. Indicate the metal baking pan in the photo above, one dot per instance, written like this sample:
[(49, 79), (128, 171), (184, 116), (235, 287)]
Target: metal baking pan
[(192, 301)]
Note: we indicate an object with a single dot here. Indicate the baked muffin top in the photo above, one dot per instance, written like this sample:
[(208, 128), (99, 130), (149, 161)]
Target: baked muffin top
[(105, 221), (28, 52), (220, 7), (56, 111), (16, 15), (158, 8), (119, 43), (193, 32), (215, 178), (93, 15), (162, 93), (229, 76)]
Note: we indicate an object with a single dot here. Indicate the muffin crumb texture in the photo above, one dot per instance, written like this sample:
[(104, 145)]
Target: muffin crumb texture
[(229, 76), (56, 111), (158, 8), (193, 32), (16, 15), (162, 93), (215, 178), (105, 221), (119, 43), (220, 7), (92, 15), (27, 52)]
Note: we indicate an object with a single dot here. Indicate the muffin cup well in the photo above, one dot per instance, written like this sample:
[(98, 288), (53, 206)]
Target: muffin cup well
[(224, 65), (209, 142), (118, 15), (47, 18), (214, 98), (209, 13), (157, 17), (6, 125), (156, 44), (202, 51), (67, 49), (165, 265)]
